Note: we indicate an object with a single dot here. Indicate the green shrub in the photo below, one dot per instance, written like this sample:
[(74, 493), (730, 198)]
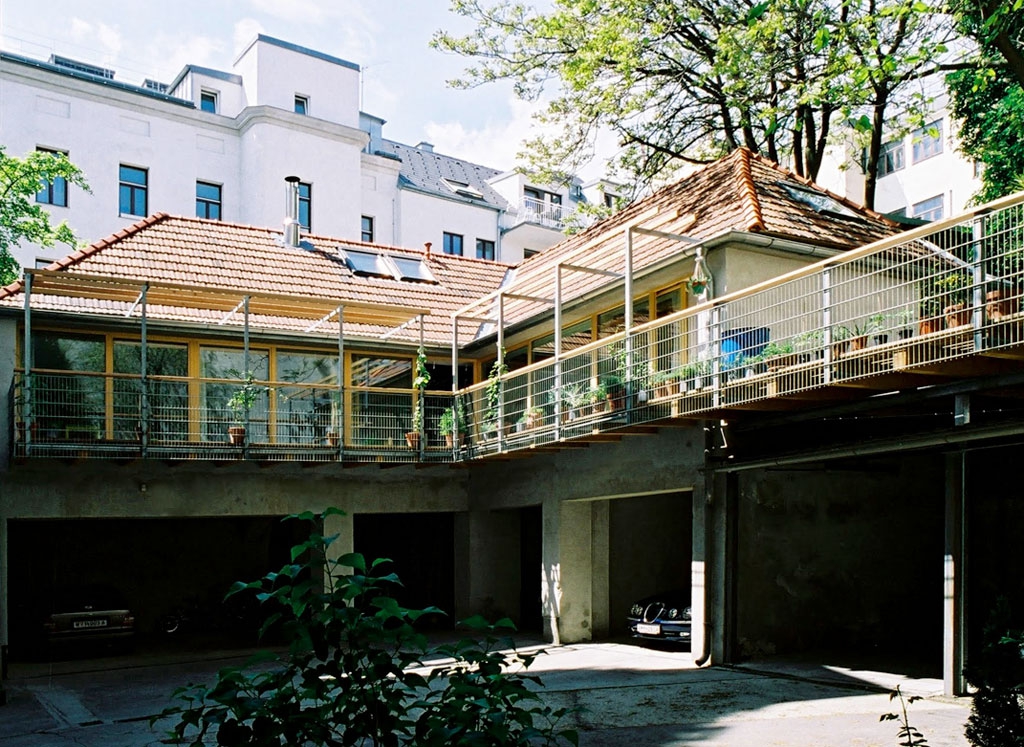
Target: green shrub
[(997, 714), (353, 672)]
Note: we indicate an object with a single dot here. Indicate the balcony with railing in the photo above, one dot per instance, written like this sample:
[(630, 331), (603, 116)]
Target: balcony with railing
[(940, 302), (116, 416), (537, 212)]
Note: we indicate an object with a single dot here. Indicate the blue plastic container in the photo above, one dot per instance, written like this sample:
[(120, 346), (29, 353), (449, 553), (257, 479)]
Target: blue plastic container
[(742, 342)]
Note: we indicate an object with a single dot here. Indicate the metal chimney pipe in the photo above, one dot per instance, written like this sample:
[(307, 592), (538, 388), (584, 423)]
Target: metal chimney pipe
[(291, 211)]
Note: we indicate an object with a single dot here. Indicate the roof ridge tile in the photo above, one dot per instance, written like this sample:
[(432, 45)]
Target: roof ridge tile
[(748, 190)]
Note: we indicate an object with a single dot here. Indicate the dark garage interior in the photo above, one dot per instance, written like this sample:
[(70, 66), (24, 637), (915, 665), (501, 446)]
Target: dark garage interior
[(158, 566)]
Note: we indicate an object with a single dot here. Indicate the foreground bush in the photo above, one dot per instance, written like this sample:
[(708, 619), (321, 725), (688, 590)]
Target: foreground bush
[(349, 676), (997, 715)]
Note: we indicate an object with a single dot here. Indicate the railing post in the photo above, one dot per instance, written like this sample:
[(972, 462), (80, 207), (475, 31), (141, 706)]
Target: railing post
[(826, 322), (421, 402), (455, 409), (558, 351), (26, 386), (716, 355), (246, 373), (978, 273), (501, 366), (628, 317), (143, 381)]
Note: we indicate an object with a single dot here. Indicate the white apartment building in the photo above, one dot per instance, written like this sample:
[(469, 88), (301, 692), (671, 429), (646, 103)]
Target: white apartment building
[(219, 144), (921, 175)]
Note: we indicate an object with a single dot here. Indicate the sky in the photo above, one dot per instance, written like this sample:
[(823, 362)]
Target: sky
[(404, 81)]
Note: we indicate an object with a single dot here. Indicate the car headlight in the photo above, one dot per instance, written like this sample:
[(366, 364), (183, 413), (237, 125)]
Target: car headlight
[(636, 610), (673, 613)]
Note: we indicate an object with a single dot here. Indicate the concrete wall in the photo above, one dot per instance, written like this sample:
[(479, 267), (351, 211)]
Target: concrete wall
[(844, 559), (576, 488), (426, 218)]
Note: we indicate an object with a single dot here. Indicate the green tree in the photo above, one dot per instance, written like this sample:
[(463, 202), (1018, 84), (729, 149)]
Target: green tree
[(684, 81), (21, 217), (988, 97)]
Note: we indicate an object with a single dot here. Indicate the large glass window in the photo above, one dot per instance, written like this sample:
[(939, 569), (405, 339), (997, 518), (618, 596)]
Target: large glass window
[(307, 404), (55, 191), (930, 209), (69, 403), (166, 401), (133, 190), (223, 372)]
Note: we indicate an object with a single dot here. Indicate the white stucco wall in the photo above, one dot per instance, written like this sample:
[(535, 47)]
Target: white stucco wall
[(427, 218)]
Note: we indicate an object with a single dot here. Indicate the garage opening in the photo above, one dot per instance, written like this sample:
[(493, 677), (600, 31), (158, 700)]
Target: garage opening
[(530, 566), (155, 567), (842, 563), (649, 550), (421, 547)]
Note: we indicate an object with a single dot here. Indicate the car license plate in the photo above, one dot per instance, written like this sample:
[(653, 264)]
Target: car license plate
[(645, 629), (79, 624)]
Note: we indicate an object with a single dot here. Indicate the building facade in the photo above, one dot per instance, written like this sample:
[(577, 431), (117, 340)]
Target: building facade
[(218, 144), (740, 385)]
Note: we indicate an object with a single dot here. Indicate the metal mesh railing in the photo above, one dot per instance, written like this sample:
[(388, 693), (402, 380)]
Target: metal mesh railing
[(869, 319), (119, 416)]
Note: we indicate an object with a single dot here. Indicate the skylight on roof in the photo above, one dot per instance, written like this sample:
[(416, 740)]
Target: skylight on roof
[(462, 188), (368, 263), (412, 269), (821, 202), (376, 264)]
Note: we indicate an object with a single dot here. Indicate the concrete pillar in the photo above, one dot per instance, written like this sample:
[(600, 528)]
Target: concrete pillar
[(575, 564), (343, 527), (954, 607), (714, 568), (599, 554)]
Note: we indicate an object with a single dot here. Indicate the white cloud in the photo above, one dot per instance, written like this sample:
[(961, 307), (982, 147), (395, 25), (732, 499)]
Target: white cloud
[(495, 144), (245, 31), (105, 39)]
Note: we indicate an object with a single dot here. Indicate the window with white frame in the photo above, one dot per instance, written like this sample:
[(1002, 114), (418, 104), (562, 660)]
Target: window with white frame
[(305, 206), (366, 232), (55, 191), (930, 209), (208, 101), (927, 141), (301, 104), (891, 158), (484, 249), (133, 190)]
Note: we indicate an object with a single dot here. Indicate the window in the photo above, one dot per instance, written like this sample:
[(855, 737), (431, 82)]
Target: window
[(462, 188), (819, 201), (301, 104), (609, 200), (208, 200), (208, 101), (53, 192), (411, 268), (368, 263), (484, 249), (930, 209), (134, 184), (928, 141), (453, 244), (305, 205), (891, 158), (366, 233), (527, 253)]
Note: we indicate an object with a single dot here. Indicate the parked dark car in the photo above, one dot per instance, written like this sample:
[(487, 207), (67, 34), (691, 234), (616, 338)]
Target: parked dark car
[(661, 617), (88, 613)]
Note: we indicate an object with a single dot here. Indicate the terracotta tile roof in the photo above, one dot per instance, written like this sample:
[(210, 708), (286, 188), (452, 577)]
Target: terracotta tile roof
[(742, 192), (202, 253)]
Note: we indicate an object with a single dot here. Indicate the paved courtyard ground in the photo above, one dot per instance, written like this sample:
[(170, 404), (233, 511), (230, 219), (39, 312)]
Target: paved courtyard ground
[(627, 695)]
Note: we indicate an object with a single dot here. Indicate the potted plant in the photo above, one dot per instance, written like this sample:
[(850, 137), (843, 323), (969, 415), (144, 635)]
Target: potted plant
[(421, 377), (333, 434), (492, 395), (615, 391), (944, 298), (779, 355), (662, 382), (532, 417), (240, 403), (452, 417), (899, 320), (598, 398), (574, 399)]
